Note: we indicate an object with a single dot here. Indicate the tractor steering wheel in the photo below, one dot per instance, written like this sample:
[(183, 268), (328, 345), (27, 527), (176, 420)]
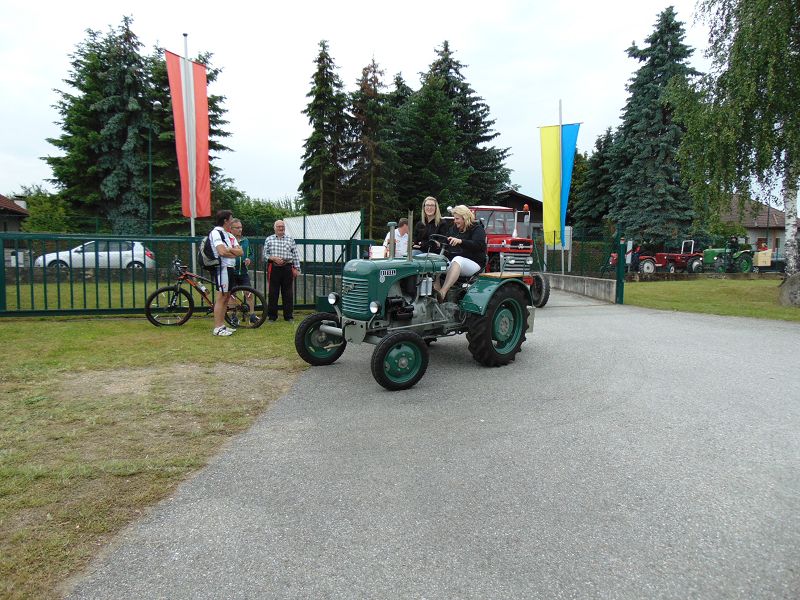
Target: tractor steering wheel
[(438, 237)]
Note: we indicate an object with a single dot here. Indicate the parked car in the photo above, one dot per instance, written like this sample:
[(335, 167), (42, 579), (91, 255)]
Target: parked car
[(101, 254)]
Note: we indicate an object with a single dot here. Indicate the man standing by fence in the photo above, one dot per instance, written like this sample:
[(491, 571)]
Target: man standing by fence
[(283, 266)]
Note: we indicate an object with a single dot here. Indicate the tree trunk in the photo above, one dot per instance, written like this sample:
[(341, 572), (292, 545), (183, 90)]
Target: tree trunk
[(790, 207), (321, 191), (371, 197)]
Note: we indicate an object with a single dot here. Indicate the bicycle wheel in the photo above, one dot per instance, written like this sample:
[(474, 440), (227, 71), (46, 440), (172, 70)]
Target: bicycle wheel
[(169, 305), (247, 308)]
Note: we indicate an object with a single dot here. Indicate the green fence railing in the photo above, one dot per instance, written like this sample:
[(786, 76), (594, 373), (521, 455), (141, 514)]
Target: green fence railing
[(106, 274)]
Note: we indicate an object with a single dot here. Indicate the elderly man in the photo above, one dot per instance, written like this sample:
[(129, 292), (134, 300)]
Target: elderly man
[(283, 266)]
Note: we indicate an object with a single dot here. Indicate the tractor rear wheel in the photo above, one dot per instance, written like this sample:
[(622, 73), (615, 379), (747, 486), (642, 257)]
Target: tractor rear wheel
[(744, 264), (495, 338), (399, 360), (647, 266), (315, 346), (540, 290)]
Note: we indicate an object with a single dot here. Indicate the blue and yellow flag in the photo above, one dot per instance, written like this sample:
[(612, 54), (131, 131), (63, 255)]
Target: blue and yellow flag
[(558, 158)]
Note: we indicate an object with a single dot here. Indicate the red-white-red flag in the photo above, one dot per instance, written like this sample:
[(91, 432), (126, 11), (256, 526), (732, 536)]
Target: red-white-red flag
[(188, 87)]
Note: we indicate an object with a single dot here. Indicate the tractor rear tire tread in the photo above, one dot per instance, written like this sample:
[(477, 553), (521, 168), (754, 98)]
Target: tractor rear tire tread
[(479, 335)]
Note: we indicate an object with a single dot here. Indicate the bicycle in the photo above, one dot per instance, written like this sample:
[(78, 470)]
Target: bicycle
[(173, 305)]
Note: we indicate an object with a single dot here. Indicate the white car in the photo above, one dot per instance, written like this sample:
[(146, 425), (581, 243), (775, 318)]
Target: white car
[(101, 254)]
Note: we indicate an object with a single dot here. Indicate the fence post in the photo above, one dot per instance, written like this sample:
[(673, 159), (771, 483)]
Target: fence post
[(3, 275), (619, 242)]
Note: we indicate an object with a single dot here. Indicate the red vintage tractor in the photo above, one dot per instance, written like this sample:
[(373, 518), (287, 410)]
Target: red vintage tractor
[(509, 245), (688, 259)]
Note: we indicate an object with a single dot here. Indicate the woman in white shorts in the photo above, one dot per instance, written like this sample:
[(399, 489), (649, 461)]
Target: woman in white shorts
[(466, 248)]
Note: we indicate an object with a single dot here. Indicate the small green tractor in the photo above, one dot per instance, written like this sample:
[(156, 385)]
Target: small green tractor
[(392, 304), (729, 259)]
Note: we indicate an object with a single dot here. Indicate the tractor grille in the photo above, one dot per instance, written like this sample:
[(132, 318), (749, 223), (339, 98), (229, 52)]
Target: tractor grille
[(355, 296), (514, 263)]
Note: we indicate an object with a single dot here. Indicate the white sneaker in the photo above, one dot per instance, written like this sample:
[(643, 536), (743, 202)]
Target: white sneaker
[(222, 330)]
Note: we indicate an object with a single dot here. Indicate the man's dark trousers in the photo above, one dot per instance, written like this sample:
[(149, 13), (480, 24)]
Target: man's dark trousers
[(280, 282)]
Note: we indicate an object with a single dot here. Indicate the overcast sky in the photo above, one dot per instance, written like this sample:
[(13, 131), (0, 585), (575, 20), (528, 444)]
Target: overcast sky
[(522, 57)]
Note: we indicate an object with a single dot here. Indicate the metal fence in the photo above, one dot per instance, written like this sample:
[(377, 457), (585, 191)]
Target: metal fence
[(106, 274), (583, 254), (92, 274)]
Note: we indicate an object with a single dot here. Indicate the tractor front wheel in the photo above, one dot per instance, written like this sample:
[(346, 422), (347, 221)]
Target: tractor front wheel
[(540, 290), (315, 346), (399, 360), (495, 338)]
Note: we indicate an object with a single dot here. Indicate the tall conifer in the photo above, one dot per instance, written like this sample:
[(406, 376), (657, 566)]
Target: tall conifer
[(593, 197), (372, 157), (324, 148), (649, 198), (483, 163), (102, 166)]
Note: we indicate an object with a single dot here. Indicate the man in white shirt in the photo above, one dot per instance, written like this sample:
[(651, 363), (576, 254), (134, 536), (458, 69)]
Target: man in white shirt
[(400, 239), (226, 249)]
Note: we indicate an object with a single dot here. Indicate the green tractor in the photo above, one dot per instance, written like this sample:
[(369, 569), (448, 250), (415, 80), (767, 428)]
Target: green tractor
[(729, 259), (392, 304)]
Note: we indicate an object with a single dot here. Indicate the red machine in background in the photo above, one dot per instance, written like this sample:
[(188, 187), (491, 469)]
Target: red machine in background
[(688, 259), (509, 245)]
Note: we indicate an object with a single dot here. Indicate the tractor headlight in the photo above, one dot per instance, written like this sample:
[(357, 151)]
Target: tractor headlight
[(333, 298), (374, 307), (529, 260)]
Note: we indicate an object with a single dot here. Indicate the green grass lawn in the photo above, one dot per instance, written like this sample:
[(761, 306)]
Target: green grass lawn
[(740, 298), (100, 418)]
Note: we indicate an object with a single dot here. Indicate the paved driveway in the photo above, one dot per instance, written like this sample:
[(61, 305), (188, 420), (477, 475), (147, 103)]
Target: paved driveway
[(627, 453)]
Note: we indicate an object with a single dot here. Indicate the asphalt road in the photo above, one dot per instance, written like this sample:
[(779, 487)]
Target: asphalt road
[(627, 453)]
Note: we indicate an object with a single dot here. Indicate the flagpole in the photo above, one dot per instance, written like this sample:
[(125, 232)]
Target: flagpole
[(189, 119), (561, 180)]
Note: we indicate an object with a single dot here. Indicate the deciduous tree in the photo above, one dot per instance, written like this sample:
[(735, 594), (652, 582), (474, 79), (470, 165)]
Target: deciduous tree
[(743, 119)]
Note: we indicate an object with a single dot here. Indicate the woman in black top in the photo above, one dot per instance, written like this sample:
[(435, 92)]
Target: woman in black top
[(466, 250), (431, 222)]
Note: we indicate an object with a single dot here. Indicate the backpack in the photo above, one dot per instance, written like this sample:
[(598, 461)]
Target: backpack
[(205, 256)]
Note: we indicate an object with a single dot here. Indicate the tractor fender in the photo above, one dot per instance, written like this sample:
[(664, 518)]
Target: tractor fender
[(478, 295)]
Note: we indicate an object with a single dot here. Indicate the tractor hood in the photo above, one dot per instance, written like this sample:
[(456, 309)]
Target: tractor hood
[(392, 267), (364, 281)]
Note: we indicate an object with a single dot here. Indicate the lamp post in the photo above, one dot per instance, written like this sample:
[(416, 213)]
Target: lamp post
[(156, 107)]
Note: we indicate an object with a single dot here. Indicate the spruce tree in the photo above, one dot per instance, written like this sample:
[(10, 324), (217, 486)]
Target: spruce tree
[(428, 145), (649, 198), (372, 156), (102, 168), (324, 148), (400, 94), (593, 195), (484, 164), (107, 121)]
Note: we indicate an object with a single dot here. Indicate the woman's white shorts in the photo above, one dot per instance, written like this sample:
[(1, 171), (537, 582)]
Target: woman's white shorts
[(468, 267)]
